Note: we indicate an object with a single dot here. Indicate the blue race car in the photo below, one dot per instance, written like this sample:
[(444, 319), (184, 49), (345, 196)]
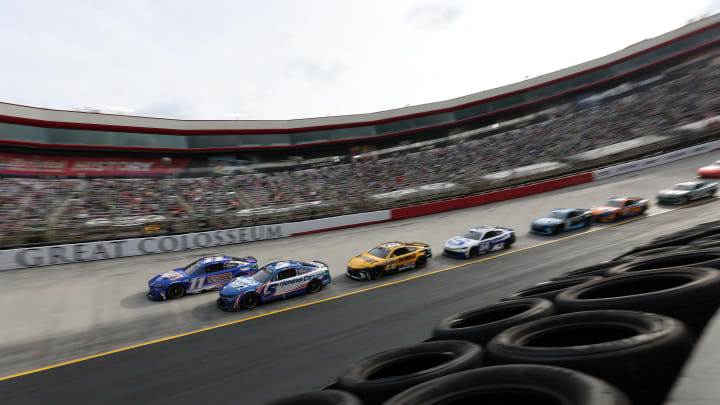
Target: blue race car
[(274, 281), (479, 240), (208, 273), (562, 220)]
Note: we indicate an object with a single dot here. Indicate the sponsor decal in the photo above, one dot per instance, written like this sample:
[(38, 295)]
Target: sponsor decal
[(101, 250), (216, 278)]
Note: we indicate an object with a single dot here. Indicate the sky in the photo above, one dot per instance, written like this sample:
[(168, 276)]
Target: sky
[(273, 59)]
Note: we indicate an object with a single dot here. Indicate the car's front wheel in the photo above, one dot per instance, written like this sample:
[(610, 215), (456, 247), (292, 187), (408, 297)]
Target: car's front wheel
[(250, 300), (175, 291), (472, 252), (376, 273), (313, 286)]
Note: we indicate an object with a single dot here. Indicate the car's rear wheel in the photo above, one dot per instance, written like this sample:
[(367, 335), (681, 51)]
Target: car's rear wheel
[(175, 291), (420, 262), (250, 300), (509, 242), (314, 286)]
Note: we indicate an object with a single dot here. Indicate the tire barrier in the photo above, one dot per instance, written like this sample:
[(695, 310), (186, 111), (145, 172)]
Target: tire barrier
[(689, 294), (482, 324), (594, 270), (548, 289), (620, 327), (643, 254), (379, 377), (521, 384), (685, 258), (324, 397), (640, 353)]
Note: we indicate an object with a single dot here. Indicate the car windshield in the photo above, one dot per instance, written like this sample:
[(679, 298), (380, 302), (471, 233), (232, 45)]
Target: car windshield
[(262, 275), (472, 235), (613, 203), (380, 252), (682, 187), (191, 268), (557, 215)]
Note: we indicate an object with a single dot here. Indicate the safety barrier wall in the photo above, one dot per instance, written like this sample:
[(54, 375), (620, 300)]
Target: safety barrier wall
[(494, 196), (653, 161), (110, 249)]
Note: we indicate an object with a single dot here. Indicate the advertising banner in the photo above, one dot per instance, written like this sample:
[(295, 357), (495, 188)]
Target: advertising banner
[(40, 165)]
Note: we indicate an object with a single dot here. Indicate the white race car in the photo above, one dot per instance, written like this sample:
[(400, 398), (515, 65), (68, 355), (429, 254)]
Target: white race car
[(481, 239)]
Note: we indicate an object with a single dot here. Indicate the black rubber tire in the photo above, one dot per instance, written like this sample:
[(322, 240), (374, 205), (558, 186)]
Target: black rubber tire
[(482, 324), (420, 262), (706, 245), (376, 273), (682, 258), (508, 243), (681, 238), (249, 301), (473, 252), (379, 377), (594, 270), (313, 286), (175, 291), (689, 294), (548, 289), (640, 353), (323, 397), (515, 384), (650, 252)]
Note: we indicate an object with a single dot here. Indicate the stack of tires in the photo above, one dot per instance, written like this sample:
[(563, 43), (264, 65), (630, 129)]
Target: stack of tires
[(613, 333)]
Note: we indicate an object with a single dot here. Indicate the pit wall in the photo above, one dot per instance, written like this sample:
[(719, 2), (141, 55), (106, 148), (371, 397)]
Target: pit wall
[(30, 257)]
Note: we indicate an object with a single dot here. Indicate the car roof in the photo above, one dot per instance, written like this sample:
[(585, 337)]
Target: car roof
[(480, 229), (690, 183), (563, 210), (392, 245), (215, 259)]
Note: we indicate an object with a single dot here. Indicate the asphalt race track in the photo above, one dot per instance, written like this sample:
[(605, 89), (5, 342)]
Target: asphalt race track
[(63, 313)]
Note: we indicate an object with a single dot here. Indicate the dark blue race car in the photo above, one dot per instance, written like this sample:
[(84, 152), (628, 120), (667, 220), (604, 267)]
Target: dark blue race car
[(274, 281), (208, 273), (561, 220)]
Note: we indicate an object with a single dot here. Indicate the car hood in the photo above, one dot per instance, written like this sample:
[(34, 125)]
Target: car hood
[(668, 192), (711, 168), (458, 242), (168, 277), (240, 284), (362, 261), (546, 221)]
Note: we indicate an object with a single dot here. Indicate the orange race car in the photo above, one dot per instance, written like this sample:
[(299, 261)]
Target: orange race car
[(620, 207)]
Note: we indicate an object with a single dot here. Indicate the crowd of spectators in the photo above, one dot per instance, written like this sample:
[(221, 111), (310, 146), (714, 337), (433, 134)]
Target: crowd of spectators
[(652, 111)]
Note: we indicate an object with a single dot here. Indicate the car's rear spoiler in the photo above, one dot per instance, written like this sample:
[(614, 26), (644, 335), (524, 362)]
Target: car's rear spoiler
[(504, 228)]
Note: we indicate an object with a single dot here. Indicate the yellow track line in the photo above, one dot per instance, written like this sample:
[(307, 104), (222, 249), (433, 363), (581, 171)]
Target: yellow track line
[(122, 349)]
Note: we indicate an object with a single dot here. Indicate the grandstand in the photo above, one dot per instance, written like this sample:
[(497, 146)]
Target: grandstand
[(72, 176)]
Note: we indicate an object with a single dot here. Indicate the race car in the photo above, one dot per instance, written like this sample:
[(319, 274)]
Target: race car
[(274, 281), (207, 273), (620, 207), (481, 239), (710, 172), (561, 220), (682, 193), (391, 257)]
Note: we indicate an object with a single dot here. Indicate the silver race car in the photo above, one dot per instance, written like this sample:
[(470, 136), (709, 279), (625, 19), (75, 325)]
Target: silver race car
[(481, 239)]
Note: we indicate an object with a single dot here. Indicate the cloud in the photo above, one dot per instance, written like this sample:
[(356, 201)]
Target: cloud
[(434, 17), (314, 71)]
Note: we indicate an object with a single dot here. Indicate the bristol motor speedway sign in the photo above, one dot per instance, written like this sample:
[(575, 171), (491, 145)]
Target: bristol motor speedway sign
[(112, 249)]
